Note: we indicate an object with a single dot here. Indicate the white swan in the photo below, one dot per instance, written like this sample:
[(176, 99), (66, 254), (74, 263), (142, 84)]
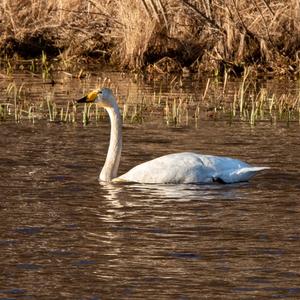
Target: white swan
[(185, 167)]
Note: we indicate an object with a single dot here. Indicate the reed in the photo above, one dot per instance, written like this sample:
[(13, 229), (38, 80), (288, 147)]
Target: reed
[(177, 35), (216, 101)]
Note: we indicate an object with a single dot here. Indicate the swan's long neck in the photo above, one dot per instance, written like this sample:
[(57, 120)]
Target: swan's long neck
[(111, 165)]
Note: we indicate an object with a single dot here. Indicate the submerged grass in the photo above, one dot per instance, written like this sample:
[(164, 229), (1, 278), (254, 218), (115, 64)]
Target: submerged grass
[(162, 35)]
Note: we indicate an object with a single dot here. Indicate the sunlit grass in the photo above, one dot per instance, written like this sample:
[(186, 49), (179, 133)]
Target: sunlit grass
[(216, 101)]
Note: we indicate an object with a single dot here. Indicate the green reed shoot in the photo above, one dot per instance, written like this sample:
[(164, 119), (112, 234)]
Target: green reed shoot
[(253, 113), (86, 114), (174, 110), (52, 108), (167, 111), (31, 115), (67, 112), (242, 90), (9, 67), (72, 115), (134, 116), (125, 111), (45, 66), (261, 100), (271, 103)]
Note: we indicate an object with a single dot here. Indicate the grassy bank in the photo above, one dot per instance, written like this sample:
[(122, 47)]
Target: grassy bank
[(157, 35)]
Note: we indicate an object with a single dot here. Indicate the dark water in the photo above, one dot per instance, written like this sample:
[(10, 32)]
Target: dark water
[(65, 236)]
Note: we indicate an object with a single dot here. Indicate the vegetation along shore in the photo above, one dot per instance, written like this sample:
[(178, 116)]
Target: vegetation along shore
[(161, 36)]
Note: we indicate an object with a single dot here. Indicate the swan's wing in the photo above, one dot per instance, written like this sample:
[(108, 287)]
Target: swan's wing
[(189, 167), (172, 168), (239, 175)]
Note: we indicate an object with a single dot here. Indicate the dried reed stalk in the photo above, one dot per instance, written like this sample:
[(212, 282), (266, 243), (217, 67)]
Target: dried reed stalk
[(206, 35)]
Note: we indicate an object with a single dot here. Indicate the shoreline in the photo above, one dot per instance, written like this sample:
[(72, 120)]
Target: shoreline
[(156, 36)]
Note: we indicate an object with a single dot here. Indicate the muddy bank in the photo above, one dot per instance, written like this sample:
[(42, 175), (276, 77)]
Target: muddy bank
[(156, 35)]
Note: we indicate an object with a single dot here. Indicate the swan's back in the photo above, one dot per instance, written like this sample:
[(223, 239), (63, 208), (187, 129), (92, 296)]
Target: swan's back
[(187, 167)]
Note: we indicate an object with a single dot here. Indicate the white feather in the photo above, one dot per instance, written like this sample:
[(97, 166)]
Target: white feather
[(190, 167)]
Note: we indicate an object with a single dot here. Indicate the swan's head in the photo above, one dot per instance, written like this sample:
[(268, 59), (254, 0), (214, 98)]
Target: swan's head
[(103, 97)]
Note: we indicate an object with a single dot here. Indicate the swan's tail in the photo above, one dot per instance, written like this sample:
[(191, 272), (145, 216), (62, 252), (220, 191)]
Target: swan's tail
[(240, 175)]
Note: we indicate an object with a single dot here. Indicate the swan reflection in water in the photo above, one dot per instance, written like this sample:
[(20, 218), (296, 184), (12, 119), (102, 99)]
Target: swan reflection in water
[(171, 192)]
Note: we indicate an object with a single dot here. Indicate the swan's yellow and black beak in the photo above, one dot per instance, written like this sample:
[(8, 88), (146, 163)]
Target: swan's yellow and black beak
[(89, 98)]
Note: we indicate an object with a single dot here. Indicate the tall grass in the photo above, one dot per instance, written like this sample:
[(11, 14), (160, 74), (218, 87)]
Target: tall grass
[(212, 36)]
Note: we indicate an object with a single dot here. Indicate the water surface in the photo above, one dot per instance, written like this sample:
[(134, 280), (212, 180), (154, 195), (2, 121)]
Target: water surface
[(65, 236)]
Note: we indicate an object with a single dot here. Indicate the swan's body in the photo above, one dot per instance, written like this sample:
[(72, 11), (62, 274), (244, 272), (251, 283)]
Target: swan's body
[(188, 167), (185, 167)]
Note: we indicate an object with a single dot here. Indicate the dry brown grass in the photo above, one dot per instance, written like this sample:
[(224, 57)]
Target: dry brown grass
[(204, 35)]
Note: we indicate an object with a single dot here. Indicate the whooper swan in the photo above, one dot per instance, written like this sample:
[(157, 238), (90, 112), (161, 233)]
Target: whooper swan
[(185, 167)]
